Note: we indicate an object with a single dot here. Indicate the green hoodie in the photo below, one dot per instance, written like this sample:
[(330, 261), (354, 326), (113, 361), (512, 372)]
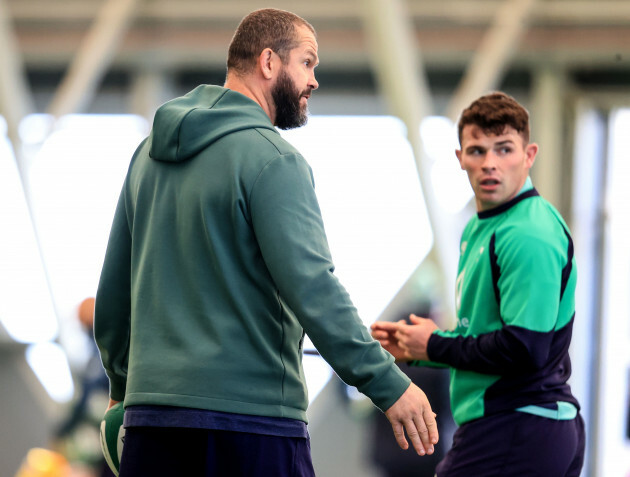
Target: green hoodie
[(217, 263)]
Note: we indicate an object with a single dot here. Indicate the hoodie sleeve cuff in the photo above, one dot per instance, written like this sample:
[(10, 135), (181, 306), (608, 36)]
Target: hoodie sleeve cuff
[(387, 389), (117, 388)]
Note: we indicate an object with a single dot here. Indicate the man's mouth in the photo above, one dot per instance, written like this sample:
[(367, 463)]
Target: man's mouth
[(489, 183)]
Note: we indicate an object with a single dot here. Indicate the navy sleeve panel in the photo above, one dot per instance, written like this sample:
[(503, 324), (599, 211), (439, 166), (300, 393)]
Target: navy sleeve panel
[(509, 350), (568, 268), (547, 383), (495, 269)]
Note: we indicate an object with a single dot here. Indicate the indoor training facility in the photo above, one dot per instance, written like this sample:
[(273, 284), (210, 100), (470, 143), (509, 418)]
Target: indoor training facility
[(80, 81)]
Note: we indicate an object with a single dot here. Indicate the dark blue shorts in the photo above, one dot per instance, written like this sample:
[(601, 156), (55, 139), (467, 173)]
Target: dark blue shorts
[(516, 443), (168, 452)]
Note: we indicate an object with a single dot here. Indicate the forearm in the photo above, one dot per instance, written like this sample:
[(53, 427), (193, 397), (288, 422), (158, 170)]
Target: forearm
[(510, 350)]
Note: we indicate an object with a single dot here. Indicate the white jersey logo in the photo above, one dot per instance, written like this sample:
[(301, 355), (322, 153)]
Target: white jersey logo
[(458, 290), (463, 322)]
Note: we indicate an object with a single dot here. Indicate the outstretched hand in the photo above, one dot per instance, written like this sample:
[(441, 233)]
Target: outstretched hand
[(412, 413)]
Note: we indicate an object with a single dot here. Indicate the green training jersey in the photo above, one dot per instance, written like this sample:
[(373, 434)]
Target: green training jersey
[(515, 301)]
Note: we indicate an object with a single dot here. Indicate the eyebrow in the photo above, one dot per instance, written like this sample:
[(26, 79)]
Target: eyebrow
[(474, 146), (506, 142), (313, 55)]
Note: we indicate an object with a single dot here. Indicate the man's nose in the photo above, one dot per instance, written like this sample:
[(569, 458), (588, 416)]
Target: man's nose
[(489, 160)]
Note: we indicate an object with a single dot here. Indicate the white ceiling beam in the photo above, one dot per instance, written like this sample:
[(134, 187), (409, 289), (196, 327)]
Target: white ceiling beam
[(396, 59), (454, 11), (150, 89), (491, 59), (93, 57), (399, 69), (548, 172), (15, 98)]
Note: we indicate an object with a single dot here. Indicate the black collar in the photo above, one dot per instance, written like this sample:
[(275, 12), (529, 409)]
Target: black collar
[(507, 205)]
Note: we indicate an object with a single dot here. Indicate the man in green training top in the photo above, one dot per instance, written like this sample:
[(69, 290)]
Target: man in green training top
[(217, 264), (515, 288)]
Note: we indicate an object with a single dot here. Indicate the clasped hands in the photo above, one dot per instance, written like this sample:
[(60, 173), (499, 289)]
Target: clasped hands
[(405, 341)]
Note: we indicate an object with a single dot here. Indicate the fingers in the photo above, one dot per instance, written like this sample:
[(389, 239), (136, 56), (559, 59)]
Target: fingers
[(418, 434), (423, 443), (415, 319), (380, 335), (421, 430), (415, 436), (384, 325), (384, 338), (399, 434), (431, 423), (112, 403), (404, 347), (401, 338)]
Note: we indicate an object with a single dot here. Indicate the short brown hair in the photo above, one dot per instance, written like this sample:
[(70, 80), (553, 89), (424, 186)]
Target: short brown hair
[(264, 28), (493, 113)]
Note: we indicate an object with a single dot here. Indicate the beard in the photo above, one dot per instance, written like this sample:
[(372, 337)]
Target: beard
[(290, 114)]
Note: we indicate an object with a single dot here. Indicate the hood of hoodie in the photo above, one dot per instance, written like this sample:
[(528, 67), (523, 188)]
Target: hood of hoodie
[(185, 126)]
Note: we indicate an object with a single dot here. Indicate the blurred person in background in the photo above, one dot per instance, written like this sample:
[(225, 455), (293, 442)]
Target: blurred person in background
[(77, 435)]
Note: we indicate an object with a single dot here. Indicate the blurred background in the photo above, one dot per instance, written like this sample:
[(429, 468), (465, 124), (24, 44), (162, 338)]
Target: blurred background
[(80, 81)]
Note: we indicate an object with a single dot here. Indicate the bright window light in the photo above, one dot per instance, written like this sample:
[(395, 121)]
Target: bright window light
[(450, 184), (614, 444), (26, 307), (369, 192), (439, 138), (75, 180), (317, 373), (34, 128), (48, 362)]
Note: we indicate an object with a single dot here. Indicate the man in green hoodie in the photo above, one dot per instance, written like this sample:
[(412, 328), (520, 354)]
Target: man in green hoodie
[(216, 267)]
